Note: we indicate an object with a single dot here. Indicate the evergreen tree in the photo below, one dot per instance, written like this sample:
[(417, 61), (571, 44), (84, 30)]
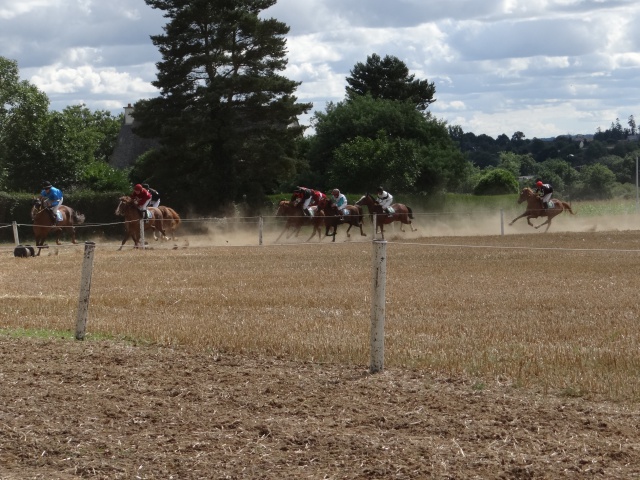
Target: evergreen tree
[(226, 119), (389, 79)]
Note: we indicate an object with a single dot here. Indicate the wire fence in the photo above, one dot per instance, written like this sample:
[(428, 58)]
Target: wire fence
[(267, 229)]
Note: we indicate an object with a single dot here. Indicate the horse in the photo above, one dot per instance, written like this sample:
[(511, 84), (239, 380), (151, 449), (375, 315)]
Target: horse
[(535, 208), (132, 216), (296, 219), (171, 220), (332, 219), (42, 216), (402, 213)]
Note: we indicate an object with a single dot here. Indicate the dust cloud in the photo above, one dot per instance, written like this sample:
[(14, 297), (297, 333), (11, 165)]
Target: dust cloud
[(247, 232)]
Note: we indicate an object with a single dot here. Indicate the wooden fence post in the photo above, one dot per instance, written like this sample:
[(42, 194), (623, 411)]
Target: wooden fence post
[(378, 291), (142, 232), (16, 239), (85, 290)]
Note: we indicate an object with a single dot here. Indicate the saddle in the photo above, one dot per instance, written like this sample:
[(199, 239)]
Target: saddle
[(57, 217)]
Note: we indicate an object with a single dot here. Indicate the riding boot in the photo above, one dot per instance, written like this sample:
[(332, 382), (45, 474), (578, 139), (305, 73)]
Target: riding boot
[(54, 217), (306, 212)]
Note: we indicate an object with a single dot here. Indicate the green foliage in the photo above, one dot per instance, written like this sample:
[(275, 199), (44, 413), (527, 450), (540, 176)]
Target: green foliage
[(555, 172), (510, 162), (426, 140), (497, 182), (23, 114), (101, 177), (36, 144), (596, 182), (364, 163), (224, 111), (389, 78)]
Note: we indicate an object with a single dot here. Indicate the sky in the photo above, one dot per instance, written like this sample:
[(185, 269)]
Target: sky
[(541, 67)]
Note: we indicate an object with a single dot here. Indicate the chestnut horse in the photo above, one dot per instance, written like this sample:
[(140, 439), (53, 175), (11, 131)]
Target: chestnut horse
[(535, 208), (132, 216), (171, 220), (296, 219), (332, 219), (42, 217), (402, 213)]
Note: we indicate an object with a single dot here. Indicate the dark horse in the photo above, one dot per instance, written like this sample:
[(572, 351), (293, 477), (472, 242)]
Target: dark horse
[(402, 213), (333, 218), (132, 216), (42, 217), (535, 208), (171, 221), (296, 219)]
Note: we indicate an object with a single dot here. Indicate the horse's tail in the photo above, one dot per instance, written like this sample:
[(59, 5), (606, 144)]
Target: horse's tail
[(78, 218), (567, 207), (170, 214), (410, 213)]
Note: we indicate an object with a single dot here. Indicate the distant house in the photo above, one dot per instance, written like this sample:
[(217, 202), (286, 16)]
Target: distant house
[(130, 146)]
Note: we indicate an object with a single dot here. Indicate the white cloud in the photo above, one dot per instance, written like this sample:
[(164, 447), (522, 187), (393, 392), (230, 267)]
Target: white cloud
[(543, 67)]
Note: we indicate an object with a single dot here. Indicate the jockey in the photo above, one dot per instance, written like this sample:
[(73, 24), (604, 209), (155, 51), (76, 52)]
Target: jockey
[(385, 199), (340, 201), (155, 196), (544, 190), (52, 198), (141, 198), (309, 197)]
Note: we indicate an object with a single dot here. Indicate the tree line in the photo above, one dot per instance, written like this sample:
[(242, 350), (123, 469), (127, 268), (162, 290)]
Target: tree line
[(226, 122)]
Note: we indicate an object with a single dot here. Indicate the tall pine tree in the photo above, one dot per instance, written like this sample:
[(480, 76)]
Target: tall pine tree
[(225, 117)]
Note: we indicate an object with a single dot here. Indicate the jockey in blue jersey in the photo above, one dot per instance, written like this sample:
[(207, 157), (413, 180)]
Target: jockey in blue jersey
[(340, 201), (52, 198)]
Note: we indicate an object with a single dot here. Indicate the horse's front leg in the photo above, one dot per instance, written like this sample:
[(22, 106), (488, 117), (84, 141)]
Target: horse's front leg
[(124, 240), (281, 233), (518, 218), (547, 223), (313, 233)]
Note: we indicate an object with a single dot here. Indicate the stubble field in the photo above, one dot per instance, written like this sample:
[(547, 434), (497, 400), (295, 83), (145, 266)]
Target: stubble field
[(510, 356)]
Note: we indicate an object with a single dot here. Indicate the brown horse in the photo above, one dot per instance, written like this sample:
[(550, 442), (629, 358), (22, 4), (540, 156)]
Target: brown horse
[(42, 217), (402, 213), (535, 208), (296, 219), (333, 218), (171, 220), (132, 216)]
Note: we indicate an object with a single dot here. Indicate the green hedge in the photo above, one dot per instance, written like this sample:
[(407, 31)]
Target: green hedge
[(97, 208)]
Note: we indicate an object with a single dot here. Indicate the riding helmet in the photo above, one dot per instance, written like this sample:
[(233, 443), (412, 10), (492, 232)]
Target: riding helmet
[(46, 184), (138, 187), (539, 183), (335, 192)]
